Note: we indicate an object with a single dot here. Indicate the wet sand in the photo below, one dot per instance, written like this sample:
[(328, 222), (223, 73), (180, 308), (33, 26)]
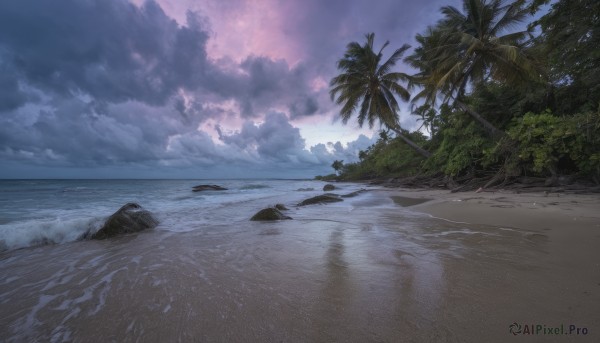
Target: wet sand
[(526, 210), (563, 285), (368, 270)]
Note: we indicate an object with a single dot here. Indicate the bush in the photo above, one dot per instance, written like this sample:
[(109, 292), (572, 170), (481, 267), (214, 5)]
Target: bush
[(461, 145), (545, 142)]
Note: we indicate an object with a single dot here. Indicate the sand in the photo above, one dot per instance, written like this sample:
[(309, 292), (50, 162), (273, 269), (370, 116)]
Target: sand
[(556, 280), (555, 211)]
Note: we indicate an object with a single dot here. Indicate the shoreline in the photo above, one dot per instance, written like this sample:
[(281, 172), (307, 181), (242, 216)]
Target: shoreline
[(502, 208)]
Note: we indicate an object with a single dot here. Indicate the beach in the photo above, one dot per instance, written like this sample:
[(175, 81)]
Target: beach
[(388, 265), (560, 256)]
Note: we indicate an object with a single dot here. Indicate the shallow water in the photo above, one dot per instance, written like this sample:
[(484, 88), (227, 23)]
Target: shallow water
[(364, 270)]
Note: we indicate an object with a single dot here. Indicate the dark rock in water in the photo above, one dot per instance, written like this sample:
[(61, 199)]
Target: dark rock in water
[(129, 218), (328, 187), (305, 189), (281, 207), (269, 214), (200, 188), (321, 199), (353, 194)]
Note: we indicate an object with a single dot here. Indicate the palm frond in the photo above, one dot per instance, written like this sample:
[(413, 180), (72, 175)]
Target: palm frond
[(387, 65), (368, 86)]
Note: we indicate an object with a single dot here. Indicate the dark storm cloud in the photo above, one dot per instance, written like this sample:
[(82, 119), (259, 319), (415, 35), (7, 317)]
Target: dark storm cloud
[(275, 139), (76, 133), (11, 95), (259, 84), (91, 82), (96, 83), (110, 50), (81, 134), (115, 51), (327, 153), (266, 78)]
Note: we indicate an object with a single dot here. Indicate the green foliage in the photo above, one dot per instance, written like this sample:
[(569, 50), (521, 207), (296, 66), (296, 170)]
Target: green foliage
[(462, 145), (368, 86), (396, 158), (329, 177), (337, 165), (470, 56), (545, 140), (386, 158), (588, 127), (570, 38), (472, 46)]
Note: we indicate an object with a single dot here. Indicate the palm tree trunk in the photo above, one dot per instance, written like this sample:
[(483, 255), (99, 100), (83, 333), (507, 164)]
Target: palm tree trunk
[(410, 143), (486, 124)]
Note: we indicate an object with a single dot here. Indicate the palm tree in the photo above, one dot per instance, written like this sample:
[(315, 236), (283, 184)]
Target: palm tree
[(337, 165), (370, 87), (471, 48)]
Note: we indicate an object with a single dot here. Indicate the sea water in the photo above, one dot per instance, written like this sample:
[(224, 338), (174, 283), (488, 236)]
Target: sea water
[(34, 212)]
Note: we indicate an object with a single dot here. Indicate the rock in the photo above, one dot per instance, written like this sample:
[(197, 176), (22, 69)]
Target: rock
[(328, 187), (321, 199), (332, 195), (200, 188), (281, 207), (305, 189), (129, 218), (353, 194), (270, 213)]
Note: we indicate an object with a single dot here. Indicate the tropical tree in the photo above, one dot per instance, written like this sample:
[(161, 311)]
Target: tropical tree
[(337, 165), (429, 116), (570, 37), (466, 49), (370, 87)]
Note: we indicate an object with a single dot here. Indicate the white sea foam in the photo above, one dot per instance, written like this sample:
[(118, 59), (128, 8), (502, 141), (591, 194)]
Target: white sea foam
[(45, 231)]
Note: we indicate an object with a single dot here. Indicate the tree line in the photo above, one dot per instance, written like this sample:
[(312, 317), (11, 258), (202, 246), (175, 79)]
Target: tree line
[(499, 104)]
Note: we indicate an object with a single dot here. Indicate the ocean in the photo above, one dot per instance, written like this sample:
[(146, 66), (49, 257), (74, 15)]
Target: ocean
[(34, 212)]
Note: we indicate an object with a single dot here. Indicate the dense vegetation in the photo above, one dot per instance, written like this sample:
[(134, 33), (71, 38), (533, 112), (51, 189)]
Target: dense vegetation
[(500, 106)]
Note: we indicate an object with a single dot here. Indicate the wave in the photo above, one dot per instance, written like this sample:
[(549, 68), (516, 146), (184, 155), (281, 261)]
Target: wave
[(76, 189), (36, 232), (186, 197), (256, 186)]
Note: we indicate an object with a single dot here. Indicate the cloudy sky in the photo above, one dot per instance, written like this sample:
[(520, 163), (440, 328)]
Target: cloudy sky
[(184, 88)]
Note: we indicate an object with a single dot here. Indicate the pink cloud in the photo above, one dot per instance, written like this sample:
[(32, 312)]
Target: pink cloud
[(239, 28)]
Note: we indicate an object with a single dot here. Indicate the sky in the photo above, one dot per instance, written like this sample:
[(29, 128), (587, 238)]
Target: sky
[(186, 88)]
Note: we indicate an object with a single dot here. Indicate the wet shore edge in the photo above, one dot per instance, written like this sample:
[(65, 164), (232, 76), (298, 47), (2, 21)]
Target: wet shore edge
[(532, 211)]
